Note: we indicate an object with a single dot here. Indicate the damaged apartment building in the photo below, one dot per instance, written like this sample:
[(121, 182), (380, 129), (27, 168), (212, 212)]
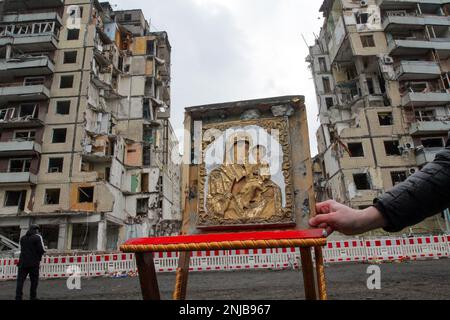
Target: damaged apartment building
[(85, 138), (381, 72)]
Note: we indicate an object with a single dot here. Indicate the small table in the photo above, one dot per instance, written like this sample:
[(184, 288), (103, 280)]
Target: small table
[(145, 248)]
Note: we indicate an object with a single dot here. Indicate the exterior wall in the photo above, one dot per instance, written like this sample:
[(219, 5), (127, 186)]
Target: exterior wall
[(358, 104), (104, 122)]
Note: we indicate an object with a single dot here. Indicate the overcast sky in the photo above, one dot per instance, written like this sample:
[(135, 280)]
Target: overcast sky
[(227, 50)]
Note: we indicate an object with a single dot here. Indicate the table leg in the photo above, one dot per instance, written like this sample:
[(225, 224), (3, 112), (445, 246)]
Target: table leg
[(320, 271), (182, 276), (147, 276), (308, 274)]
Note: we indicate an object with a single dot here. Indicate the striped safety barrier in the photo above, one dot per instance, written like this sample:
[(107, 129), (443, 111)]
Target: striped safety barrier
[(384, 250), (345, 251), (356, 250)]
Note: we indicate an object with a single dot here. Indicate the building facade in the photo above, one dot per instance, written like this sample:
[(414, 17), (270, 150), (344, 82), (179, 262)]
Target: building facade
[(85, 138), (381, 72)]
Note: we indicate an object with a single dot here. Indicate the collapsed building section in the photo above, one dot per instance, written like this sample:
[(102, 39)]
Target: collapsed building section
[(382, 80), (85, 138)]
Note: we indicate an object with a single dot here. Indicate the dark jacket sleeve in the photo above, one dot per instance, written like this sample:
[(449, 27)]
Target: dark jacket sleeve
[(39, 244), (421, 196)]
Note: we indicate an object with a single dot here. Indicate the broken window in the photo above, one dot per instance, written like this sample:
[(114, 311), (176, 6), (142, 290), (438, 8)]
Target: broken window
[(362, 18), (392, 148), (66, 82), (362, 181), (107, 173), (398, 177), (329, 102), (425, 115), (7, 114), (86, 195), (323, 65), (25, 135), (142, 206), (150, 47), (368, 41), (28, 110), (127, 17), (55, 165), (146, 113), (326, 85), (418, 86), (15, 198), (19, 165), (52, 196), (370, 86), (385, 118), (73, 34), (146, 155), (433, 143), (70, 57), (356, 150), (86, 166), (144, 182), (63, 107), (59, 135), (33, 81), (76, 12)]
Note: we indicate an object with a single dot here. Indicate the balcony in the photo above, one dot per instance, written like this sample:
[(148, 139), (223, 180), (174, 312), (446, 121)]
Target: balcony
[(19, 148), (23, 92), (429, 127), (27, 66), (411, 21), (15, 5), (30, 36), (31, 17), (426, 155), (418, 70), (31, 43), (419, 46), (402, 4), (15, 178), (425, 99)]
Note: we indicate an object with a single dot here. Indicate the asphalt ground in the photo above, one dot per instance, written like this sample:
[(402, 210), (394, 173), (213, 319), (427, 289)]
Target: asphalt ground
[(421, 280)]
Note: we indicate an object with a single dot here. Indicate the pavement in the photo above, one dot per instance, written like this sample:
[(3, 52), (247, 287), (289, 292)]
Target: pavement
[(425, 280)]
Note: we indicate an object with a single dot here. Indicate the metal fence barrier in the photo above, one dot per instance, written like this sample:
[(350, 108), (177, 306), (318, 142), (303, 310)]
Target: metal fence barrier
[(357, 250)]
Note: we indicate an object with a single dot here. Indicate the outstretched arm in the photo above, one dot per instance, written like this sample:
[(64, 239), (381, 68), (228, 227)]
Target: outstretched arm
[(421, 196)]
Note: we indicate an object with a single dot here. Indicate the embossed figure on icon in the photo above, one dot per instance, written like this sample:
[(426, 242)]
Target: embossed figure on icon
[(241, 189)]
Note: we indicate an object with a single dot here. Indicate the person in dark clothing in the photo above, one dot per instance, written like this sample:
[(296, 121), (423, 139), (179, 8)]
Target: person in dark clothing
[(423, 195), (31, 252)]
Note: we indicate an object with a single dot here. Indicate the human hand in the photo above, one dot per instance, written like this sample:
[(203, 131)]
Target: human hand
[(334, 216)]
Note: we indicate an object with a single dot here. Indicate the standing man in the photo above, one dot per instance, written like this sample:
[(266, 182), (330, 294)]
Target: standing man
[(31, 252)]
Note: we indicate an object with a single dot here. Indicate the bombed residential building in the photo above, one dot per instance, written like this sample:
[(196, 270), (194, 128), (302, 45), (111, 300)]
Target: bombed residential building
[(85, 138), (381, 72)]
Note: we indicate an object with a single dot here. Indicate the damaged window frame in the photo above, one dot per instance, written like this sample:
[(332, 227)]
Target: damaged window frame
[(55, 133), (386, 119), (59, 167), (358, 145), (392, 148), (27, 135), (49, 194), (368, 41), (26, 165), (362, 185), (431, 144), (400, 175), (85, 192), (362, 17), (66, 81), (62, 107)]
